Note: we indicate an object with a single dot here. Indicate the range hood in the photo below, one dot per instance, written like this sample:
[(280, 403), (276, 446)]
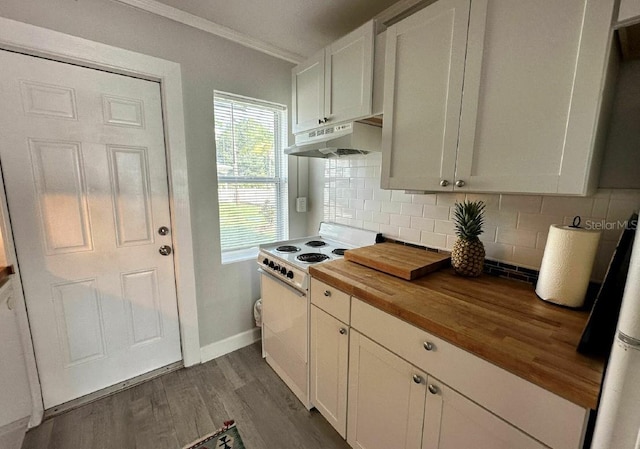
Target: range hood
[(337, 140)]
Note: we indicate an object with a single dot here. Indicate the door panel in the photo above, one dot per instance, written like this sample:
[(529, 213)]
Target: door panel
[(84, 167)]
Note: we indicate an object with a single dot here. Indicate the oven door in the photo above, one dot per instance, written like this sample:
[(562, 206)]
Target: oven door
[(285, 331)]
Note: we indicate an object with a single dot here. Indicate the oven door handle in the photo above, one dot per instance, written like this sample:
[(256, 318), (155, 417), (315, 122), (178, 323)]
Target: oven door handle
[(293, 289)]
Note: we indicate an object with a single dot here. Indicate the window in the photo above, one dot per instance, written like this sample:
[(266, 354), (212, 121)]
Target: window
[(252, 168)]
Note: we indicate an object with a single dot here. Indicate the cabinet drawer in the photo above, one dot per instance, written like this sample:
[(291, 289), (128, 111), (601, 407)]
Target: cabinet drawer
[(330, 299), (545, 416)]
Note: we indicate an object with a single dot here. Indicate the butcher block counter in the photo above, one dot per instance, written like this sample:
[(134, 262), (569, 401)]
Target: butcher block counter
[(499, 320)]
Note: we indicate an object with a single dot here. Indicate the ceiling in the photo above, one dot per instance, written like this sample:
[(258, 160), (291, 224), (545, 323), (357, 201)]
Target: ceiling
[(301, 27)]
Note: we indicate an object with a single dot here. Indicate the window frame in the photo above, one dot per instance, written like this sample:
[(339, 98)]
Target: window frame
[(280, 180)]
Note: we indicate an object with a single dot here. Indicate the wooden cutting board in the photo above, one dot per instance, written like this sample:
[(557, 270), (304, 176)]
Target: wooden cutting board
[(398, 260)]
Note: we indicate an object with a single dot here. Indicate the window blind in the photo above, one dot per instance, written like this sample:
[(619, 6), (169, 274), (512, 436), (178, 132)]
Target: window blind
[(252, 168)]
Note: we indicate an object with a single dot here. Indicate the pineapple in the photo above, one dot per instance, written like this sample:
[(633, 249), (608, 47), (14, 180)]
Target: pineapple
[(467, 257)]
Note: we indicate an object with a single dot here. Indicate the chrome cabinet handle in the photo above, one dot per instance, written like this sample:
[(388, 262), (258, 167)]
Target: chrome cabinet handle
[(343, 330), (327, 293), (417, 379), (428, 345), (433, 389), (163, 230), (165, 250), (460, 183), (444, 183)]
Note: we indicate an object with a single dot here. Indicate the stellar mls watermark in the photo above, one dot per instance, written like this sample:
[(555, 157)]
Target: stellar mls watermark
[(604, 225)]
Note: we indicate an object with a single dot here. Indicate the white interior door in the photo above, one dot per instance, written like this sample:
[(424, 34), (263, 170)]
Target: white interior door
[(83, 160)]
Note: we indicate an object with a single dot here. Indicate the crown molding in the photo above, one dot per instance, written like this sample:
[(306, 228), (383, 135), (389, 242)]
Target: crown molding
[(216, 29)]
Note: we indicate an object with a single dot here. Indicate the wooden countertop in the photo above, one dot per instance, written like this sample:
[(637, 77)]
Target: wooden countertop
[(499, 320)]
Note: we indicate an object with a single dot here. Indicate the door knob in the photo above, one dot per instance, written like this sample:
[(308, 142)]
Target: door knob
[(417, 379), (163, 230), (343, 331), (444, 183), (460, 183), (428, 345), (433, 389), (165, 250)]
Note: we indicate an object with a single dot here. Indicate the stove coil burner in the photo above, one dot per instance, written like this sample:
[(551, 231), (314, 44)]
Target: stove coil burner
[(287, 249), (339, 251), (316, 243), (312, 257)]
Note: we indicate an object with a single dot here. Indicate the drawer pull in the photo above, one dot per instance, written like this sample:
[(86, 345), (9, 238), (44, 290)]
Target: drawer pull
[(327, 293), (433, 389), (428, 345), (417, 379), (343, 330)]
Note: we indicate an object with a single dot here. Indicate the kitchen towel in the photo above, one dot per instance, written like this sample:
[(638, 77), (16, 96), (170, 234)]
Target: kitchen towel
[(566, 265)]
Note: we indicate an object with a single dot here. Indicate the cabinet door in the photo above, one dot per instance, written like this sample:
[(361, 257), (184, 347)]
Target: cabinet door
[(425, 59), (386, 402), (451, 421), (308, 93), (629, 11), (349, 75), (532, 92), (329, 358)]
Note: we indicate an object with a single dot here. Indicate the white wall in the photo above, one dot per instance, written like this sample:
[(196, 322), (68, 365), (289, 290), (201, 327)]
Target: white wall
[(225, 292), (516, 226)]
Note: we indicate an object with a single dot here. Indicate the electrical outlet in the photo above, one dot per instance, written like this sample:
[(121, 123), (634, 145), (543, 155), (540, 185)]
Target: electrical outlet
[(301, 204)]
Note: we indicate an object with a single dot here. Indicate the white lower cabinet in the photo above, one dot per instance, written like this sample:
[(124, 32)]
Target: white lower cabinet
[(452, 421), (386, 398), (329, 358)]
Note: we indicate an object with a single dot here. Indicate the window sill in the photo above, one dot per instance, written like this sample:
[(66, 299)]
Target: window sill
[(240, 255)]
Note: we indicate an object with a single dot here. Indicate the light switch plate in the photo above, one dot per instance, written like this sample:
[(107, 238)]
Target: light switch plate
[(301, 204)]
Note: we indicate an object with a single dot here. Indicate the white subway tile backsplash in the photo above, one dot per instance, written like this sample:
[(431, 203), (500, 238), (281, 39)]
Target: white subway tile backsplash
[(501, 219), (444, 227), (391, 231), (562, 205), (530, 204), (433, 240), (537, 222), (527, 257), (490, 201), (391, 207), (381, 217), (400, 220), (400, 196), (372, 205), (365, 194), (381, 195), (449, 199), (364, 215), (436, 212), (424, 199), (517, 237), (414, 210), (356, 204), (516, 226), (422, 224), (499, 251), (409, 235)]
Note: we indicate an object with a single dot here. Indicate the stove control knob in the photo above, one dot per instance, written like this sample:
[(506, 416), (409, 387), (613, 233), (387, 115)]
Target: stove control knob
[(276, 267), (290, 274), (265, 261), (271, 264), (283, 270)]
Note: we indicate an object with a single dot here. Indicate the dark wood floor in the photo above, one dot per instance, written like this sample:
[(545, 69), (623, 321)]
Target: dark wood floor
[(177, 408)]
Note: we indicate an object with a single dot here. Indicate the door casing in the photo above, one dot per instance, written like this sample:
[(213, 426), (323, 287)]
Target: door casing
[(37, 41)]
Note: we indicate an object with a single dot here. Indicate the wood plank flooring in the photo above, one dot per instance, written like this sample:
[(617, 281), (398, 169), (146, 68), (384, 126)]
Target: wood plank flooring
[(173, 410)]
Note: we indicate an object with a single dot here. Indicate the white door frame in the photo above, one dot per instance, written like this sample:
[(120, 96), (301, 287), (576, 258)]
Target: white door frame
[(36, 41)]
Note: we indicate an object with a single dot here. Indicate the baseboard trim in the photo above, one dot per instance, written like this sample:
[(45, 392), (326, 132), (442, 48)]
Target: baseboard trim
[(230, 344)]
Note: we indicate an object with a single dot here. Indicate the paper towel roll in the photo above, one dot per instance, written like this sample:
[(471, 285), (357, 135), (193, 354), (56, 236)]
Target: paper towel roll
[(566, 265)]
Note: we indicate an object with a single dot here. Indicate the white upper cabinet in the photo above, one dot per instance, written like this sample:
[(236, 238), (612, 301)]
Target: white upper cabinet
[(629, 11), (423, 90), (525, 117), (336, 84)]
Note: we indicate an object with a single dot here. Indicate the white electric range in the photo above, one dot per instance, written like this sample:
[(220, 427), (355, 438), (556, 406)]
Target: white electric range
[(284, 268)]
